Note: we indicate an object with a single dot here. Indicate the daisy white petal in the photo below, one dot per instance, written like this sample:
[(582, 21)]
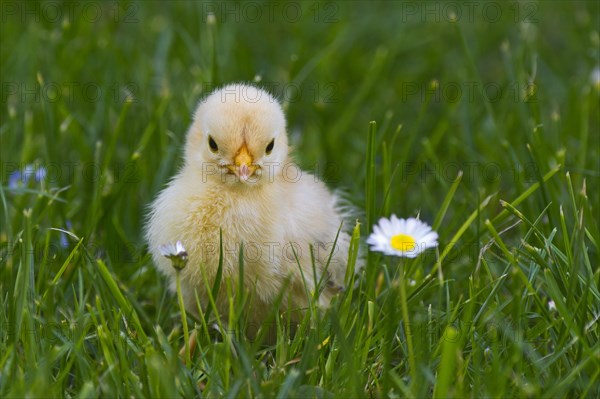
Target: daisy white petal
[(179, 248), (385, 225), (431, 238)]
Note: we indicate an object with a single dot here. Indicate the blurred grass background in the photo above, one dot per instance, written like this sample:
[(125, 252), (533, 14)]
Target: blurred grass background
[(100, 95)]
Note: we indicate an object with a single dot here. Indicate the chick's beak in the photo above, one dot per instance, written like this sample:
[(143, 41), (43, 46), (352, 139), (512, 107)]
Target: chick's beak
[(242, 164)]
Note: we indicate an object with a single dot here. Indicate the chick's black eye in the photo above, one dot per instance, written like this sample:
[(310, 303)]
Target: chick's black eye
[(212, 144), (270, 147)]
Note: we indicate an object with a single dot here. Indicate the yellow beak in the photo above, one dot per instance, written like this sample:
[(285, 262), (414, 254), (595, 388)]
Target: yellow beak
[(243, 166)]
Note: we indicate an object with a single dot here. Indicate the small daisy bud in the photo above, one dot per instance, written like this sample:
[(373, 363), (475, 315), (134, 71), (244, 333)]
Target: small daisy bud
[(176, 253)]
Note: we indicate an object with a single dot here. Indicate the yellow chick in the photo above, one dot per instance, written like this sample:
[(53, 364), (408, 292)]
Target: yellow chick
[(238, 178)]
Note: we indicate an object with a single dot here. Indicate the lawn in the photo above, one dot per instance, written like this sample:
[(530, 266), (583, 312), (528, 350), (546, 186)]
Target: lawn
[(482, 118)]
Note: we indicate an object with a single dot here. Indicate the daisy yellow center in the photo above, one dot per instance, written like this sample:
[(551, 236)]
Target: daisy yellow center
[(402, 242)]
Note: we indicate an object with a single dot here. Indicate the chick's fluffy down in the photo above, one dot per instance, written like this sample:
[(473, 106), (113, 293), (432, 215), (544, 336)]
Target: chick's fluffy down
[(278, 213)]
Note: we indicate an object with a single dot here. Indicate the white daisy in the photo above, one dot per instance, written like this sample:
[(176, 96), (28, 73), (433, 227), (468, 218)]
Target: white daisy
[(402, 237), (176, 253)]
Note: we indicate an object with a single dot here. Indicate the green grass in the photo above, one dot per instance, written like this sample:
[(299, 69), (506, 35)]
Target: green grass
[(486, 127)]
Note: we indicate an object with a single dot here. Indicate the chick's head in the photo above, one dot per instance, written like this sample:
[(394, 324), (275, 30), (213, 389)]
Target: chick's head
[(238, 137)]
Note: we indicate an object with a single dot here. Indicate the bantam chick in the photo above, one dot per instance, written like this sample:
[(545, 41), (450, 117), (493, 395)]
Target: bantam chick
[(238, 179)]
